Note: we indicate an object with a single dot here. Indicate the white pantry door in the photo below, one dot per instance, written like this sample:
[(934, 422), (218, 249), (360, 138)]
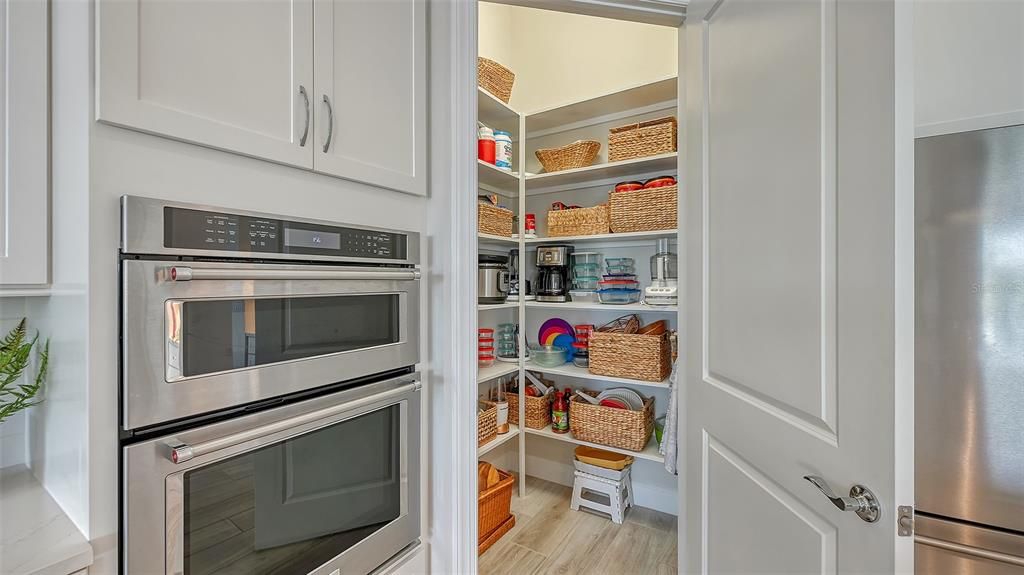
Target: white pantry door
[(791, 306), (371, 92)]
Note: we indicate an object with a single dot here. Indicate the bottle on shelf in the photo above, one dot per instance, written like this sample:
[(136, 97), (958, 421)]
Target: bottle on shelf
[(559, 414)]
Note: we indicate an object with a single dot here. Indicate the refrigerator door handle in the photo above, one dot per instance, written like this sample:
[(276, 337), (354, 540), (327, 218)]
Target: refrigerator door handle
[(972, 551)]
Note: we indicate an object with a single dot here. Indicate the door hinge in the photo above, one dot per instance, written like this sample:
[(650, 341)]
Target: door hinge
[(905, 521)]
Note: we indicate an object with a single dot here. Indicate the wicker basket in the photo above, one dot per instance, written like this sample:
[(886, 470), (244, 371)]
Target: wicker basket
[(493, 511), (538, 410), (495, 78), (622, 428), (486, 423), (631, 355), (578, 154), (579, 222), (642, 139), (493, 220), (644, 210)]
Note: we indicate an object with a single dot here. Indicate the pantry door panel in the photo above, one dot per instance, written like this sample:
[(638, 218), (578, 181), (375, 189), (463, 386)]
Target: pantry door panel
[(790, 283), (371, 92), (220, 73)]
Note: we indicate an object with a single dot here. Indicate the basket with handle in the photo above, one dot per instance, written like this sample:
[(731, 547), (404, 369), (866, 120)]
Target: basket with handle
[(642, 139), (538, 410), (622, 428)]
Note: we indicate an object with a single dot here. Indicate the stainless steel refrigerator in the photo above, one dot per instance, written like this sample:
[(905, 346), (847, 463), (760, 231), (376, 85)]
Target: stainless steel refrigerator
[(969, 415)]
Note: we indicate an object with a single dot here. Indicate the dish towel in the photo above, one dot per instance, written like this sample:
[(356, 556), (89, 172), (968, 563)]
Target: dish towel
[(669, 442)]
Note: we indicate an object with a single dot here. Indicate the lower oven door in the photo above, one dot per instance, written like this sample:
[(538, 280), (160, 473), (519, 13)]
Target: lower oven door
[(325, 485)]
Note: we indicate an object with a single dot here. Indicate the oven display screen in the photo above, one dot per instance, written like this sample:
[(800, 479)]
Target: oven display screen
[(297, 238)]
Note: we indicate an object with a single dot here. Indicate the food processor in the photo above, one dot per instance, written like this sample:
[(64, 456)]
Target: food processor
[(664, 288)]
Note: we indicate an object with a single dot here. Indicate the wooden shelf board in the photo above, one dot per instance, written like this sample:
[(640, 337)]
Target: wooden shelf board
[(633, 307), (629, 237), (649, 453), (603, 174), (497, 370), (570, 370), (513, 432), (641, 96), (498, 180)]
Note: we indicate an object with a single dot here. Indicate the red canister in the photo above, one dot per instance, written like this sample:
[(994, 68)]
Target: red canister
[(485, 148), (531, 224), (628, 186), (660, 182)]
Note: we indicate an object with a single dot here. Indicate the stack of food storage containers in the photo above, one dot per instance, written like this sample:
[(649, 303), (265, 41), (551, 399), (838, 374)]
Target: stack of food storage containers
[(586, 276), (619, 285)]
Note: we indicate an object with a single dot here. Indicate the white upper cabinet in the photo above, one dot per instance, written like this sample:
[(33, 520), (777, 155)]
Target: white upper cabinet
[(24, 144), (371, 92), (222, 73)]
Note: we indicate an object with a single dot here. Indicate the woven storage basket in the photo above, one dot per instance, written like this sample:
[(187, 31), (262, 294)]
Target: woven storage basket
[(631, 355), (644, 210), (495, 78), (642, 139), (486, 423), (494, 510), (622, 428), (578, 154), (579, 222), (493, 220), (538, 410)]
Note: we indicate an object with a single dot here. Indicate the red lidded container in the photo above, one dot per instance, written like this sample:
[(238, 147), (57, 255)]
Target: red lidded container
[(628, 186), (660, 182)]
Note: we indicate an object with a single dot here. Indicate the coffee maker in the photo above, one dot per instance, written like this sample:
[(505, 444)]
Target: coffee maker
[(553, 278), (513, 275)]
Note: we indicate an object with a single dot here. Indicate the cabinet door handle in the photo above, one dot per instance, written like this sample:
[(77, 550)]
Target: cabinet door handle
[(330, 123), (305, 130), (861, 500)]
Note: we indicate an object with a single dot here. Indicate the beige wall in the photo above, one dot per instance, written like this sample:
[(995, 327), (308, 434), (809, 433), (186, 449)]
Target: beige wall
[(560, 58)]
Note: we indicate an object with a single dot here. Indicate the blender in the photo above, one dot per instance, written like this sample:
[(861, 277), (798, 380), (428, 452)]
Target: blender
[(664, 288)]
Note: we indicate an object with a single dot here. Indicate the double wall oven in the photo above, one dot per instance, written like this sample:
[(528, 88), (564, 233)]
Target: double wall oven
[(270, 405)]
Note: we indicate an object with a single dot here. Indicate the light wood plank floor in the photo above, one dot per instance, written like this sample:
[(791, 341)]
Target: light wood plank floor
[(550, 538)]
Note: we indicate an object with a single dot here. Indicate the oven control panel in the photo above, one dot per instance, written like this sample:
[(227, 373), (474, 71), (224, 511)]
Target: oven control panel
[(186, 228)]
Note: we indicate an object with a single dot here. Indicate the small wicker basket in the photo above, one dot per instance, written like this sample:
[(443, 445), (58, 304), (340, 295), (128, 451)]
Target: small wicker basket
[(494, 516), (495, 78), (538, 410), (578, 154), (491, 219), (579, 222), (644, 210), (631, 355), (486, 423), (622, 428), (642, 139)]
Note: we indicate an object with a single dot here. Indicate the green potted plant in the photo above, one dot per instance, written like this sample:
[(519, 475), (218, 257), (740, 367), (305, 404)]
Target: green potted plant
[(15, 354)]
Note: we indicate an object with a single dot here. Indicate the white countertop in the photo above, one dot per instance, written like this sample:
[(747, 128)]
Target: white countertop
[(36, 538)]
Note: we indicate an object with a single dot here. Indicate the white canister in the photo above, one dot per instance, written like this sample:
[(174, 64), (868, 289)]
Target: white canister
[(502, 416), (503, 150)]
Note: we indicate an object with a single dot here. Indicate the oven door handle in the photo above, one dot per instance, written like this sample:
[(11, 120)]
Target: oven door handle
[(185, 273), (182, 452)]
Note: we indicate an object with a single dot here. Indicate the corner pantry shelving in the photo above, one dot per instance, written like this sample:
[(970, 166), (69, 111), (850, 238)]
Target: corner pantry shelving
[(533, 193)]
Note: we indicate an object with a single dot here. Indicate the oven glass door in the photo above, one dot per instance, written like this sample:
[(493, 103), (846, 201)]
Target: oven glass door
[(218, 335)]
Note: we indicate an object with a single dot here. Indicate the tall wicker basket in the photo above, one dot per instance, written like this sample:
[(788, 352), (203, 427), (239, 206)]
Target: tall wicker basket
[(538, 410), (642, 139), (495, 78), (631, 355), (486, 423), (644, 210), (494, 516), (579, 222), (622, 428)]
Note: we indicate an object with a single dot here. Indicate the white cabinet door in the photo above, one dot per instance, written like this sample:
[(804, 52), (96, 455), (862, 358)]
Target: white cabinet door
[(797, 130), (371, 92), (24, 141), (221, 73)]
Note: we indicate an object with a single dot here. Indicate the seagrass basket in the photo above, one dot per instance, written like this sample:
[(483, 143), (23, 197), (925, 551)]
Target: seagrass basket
[(622, 428), (631, 355), (578, 154), (486, 423), (642, 139), (644, 210), (538, 410), (491, 219), (579, 222), (495, 78)]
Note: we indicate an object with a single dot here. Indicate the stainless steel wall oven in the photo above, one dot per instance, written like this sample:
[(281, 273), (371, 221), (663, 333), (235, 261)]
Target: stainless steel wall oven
[(269, 403)]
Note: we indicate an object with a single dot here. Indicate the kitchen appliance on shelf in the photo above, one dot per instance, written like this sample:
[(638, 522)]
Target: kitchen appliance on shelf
[(664, 288), (553, 280), (492, 278), (267, 369), (513, 275), (969, 457)]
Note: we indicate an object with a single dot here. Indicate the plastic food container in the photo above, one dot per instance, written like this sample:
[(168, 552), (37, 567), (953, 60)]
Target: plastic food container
[(585, 283), (485, 359), (504, 336), (619, 261), (618, 296), (583, 295), (486, 342), (580, 355), (548, 355), (485, 332), (587, 269), (580, 258), (623, 284), (620, 269)]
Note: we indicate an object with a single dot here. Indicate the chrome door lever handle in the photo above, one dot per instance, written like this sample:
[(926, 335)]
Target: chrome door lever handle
[(861, 500)]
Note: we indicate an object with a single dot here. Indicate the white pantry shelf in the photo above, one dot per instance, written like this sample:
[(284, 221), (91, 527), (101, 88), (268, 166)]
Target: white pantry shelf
[(492, 306), (499, 369), (660, 92), (496, 114), (513, 432), (570, 370), (628, 237), (492, 178), (633, 307), (603, 174), (649, 453), (493, 239)]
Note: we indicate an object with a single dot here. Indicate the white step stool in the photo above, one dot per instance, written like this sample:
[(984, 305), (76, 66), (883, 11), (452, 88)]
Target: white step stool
[(618, 491)]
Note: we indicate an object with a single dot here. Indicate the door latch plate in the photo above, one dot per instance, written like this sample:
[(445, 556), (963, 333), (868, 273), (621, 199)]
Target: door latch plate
[(905, 520)]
